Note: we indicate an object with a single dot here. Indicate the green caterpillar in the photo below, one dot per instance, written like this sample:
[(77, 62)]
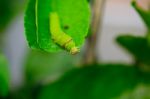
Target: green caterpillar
[(59, 37)]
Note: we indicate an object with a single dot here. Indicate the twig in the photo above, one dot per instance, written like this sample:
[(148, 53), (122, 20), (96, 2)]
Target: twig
[(149, 5), (90, 55)]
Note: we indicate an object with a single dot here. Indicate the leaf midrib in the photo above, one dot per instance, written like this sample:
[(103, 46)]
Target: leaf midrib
[(36, 18)]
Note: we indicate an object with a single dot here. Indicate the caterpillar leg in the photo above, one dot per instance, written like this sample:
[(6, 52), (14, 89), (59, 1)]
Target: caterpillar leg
[(59, 37)]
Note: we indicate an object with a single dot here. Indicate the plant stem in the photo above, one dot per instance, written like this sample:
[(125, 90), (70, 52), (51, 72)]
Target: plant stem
[(149, 6), (90, 55)]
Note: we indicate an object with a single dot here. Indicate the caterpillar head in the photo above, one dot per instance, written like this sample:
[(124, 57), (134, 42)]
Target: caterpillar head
[(74, 50)]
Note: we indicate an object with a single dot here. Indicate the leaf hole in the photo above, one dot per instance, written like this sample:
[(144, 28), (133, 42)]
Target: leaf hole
[(66, 27)]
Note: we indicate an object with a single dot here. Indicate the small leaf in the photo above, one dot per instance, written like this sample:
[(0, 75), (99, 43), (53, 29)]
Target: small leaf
[(93, 82), (137, 46), (74, 18), (145, 15), (4, 76)]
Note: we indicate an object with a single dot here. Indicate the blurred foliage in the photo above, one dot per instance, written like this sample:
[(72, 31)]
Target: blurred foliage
[(137, 46), (48, 66), (145, 15), (95, 82), (6, 12), (41, 67), (140, 92), (8, 8), (4, 76)]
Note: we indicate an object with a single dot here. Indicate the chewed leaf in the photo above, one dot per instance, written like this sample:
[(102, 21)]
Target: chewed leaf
[(145, 15), (74, 16)]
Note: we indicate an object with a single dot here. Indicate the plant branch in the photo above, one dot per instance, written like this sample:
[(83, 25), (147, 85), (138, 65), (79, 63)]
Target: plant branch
[(97, 11), (149, 5)]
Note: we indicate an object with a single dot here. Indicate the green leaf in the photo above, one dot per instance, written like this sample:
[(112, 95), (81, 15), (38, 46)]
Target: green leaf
[(74, 18), (4, 76), (145, 15), (137, 46), (41, 66), (94, 82)]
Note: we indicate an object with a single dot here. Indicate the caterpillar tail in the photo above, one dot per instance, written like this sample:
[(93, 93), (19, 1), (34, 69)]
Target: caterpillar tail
[(59, 37)]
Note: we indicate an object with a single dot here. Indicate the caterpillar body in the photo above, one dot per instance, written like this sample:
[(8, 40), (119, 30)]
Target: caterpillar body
[(59, 37)]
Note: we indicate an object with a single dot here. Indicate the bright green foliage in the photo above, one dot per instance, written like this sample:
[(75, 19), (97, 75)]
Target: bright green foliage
[(94, 82), (137, 46), (4, 76), (74, 20), (145, 15), (40, 65)]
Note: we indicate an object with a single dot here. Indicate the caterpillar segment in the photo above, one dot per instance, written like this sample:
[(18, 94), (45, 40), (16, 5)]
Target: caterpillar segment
[(59, 37)]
